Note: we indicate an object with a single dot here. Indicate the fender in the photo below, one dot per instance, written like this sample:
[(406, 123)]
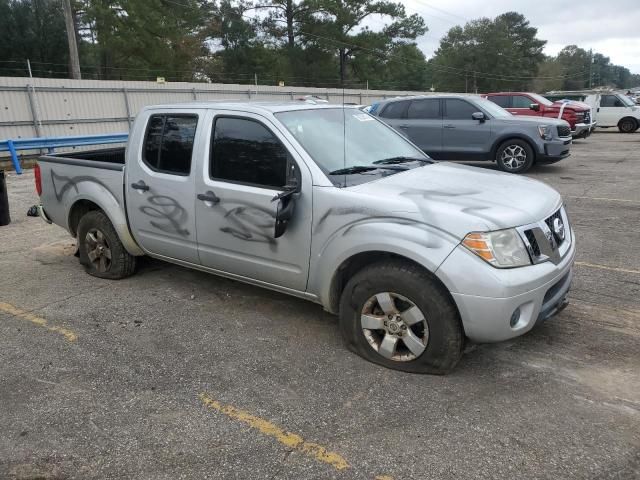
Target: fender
[(419, 242)]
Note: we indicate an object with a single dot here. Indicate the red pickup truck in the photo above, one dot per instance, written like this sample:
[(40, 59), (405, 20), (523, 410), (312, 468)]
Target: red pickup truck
[(577, 114)]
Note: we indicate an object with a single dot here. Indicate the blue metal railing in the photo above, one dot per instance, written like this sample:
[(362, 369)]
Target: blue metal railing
[(51, 143)]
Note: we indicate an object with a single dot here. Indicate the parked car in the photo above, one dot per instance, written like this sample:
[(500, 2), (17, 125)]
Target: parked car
[(327, 204), (610, 109), (467, 127), (576, 114)]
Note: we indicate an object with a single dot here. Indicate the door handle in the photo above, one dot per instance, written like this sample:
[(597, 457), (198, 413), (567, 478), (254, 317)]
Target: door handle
[(448, 125), (140, 186), (404, 127), (209, 197)]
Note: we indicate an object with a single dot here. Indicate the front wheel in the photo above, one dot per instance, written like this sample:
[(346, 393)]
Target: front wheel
[(395, 314), (627, 125), (515, 156), (101, 251)]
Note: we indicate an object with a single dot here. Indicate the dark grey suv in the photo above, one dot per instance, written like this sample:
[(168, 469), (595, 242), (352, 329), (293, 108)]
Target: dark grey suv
[(468, 127)]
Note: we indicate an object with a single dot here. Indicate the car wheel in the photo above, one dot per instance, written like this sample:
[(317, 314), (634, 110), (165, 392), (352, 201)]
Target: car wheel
[(395, 314), (515, 156), (101, 251), (627, 125)]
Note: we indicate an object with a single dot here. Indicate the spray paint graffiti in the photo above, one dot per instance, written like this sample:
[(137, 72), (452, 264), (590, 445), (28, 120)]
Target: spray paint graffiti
[(250, 223), (62, 184), (171, 214)]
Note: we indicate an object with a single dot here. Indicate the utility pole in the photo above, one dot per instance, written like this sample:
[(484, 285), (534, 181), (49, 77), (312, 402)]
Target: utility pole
[(74, 60), (590, 68)]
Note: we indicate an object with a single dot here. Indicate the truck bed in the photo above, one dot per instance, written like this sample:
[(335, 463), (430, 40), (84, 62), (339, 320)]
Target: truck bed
[(114, 156)]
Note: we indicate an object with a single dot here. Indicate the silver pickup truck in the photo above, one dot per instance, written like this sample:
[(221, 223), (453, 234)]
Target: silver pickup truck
[(328, 204)]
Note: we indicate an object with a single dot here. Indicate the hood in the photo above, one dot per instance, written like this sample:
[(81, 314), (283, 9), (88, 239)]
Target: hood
[(572, 105), (527, 120), (460, 199)]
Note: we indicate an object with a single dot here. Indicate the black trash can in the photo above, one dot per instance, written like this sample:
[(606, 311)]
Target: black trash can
[(5, 219)]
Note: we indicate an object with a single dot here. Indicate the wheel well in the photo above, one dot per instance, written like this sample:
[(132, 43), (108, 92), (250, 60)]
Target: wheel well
[(502, 141), (354, 264), (78, 210)]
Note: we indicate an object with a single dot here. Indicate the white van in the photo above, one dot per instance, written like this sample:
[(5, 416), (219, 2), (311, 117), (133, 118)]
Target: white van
[(614, 110)]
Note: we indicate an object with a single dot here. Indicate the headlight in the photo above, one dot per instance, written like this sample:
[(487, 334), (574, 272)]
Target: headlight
[(545, 132), (502, 248)]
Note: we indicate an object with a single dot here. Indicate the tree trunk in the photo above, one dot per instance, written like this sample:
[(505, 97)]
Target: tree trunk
[(289, 15)]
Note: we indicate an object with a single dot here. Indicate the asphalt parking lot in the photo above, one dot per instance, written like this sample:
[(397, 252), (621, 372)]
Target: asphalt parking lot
[(174, 373)]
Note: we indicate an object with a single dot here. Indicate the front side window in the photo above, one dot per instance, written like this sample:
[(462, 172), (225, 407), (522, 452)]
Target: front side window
[(520, 101), (168, 143), (502, 100), (457, 109), (424, 109), (395, 110), (245, 151), (610, 101)]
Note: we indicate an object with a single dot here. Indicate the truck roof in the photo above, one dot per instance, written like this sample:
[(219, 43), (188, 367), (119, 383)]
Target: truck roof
[(248, 106)]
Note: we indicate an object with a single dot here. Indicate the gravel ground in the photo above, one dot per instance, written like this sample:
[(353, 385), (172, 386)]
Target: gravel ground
[(179, 374)]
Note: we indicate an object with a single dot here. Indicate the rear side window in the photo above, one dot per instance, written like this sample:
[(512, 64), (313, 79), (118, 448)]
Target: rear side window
[(502, 100), (520, 101), (610, 101), (245, 151), (168, 143), (424, 109), (395, 110), (457, 109)]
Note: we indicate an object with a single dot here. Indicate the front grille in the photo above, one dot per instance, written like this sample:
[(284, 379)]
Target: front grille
[(549, 221), (564, 131), (535, 248)]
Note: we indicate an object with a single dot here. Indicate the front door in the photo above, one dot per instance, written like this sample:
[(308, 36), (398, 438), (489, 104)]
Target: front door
[(611, 110), (464, 138), (521, 105), (160, 183), (248, 164)]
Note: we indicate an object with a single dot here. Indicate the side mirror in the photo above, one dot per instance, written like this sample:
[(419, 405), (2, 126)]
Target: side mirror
[(286, 204), (478, 116), (535, 107)]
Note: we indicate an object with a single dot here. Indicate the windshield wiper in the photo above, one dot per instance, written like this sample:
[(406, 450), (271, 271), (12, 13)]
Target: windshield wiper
[(364, 168), (398, 160)]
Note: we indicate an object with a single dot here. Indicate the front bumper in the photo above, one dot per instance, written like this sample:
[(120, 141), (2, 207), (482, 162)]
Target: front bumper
[(487, 297), (583, 130), (555, 150)]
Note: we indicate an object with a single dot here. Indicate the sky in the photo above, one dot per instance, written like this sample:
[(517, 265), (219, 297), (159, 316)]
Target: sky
[(612, 29)]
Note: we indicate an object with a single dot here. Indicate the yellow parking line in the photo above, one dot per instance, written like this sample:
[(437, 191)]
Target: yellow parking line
[(604, 199), (288, 439), (605, 267), (24, 315)]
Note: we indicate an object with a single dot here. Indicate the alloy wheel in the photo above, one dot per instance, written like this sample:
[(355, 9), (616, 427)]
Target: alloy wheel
[(514, 157), (394, 327), (98, 250)]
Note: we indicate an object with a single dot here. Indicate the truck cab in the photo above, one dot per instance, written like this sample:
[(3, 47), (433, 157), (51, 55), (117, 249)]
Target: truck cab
[(578, 116)]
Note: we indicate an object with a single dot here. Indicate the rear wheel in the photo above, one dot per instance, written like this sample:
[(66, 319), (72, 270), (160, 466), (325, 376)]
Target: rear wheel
[(515, 156), (628, 125), (394, 314), (101, 251)]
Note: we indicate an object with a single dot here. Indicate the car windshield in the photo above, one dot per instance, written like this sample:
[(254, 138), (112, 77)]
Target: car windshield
[(491, 108), (626, 100), (541, 100), (347, 141)]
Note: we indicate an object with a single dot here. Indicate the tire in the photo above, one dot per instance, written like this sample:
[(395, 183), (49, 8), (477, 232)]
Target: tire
[(515, 156), (436, 324), (627, 125), (97, 241)]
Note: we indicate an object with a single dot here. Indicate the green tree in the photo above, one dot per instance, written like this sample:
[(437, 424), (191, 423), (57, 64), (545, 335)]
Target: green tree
[(336, 26), (488, 55), (34, 30)]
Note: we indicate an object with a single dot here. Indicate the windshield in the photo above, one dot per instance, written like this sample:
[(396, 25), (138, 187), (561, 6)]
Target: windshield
[(491, 108), (541, 100), (626, 100), (338, 139)]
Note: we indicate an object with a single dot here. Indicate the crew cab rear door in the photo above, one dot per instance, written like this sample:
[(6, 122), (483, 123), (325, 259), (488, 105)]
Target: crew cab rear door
[(248, 162), (160, 182)]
